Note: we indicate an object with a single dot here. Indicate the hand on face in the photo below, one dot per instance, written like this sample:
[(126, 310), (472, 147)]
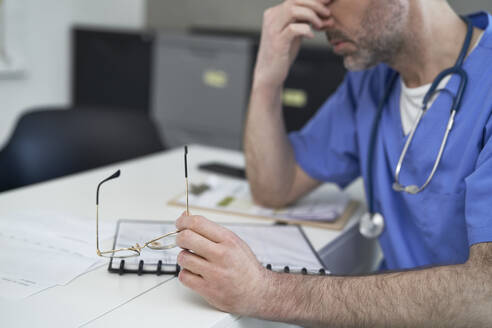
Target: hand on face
[(284, 26), (219, 266)]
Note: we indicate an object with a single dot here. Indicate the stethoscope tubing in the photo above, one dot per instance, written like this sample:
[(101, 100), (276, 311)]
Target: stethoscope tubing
[(457, 69)]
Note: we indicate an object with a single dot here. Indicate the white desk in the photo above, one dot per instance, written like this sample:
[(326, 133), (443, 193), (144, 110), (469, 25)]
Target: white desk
[(100, 298)]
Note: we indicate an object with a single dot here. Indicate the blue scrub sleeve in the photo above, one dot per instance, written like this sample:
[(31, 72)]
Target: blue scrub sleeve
[(478, 199), (326, 148)]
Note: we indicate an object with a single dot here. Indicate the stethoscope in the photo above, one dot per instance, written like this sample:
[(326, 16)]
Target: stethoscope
[(372, 223)]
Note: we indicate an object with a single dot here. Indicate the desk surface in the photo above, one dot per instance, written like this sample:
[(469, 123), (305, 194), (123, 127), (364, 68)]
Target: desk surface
[(100, 298)]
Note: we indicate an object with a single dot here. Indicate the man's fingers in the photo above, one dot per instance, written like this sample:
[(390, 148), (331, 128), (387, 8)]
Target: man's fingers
[(191, 280), (303, 14), (314, 12), (298, 30), (192, 262), (208, 229), (189, 239), (319, 7)]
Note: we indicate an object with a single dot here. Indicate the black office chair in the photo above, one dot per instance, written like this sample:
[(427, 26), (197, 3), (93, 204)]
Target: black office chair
[(51, 143)]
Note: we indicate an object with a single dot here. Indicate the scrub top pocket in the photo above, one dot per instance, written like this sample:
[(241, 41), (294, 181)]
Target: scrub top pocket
[(443, 226)]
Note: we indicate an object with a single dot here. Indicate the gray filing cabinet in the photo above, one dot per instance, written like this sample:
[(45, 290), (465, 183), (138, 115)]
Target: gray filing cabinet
[(200, 90)]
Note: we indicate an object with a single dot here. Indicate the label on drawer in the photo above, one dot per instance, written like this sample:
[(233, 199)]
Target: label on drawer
[(294, 98), (215, 78)]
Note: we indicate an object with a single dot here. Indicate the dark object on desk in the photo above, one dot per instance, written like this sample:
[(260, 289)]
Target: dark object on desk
[(112, 68), (51, 143), (224, 169)]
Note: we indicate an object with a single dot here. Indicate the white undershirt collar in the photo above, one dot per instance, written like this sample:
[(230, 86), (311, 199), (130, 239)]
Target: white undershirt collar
[(411, 99)]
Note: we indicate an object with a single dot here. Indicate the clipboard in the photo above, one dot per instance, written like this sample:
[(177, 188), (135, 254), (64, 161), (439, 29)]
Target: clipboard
[(164, 262), (337, 224)]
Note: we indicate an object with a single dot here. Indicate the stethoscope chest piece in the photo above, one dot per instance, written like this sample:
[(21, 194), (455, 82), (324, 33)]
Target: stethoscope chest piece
[(371, 225)]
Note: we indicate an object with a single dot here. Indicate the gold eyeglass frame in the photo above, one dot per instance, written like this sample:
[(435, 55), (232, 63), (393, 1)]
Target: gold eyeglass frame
[(137, 248)]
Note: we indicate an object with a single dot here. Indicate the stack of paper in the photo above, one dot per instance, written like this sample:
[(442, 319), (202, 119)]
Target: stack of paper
[(42, 250), (325, 204)]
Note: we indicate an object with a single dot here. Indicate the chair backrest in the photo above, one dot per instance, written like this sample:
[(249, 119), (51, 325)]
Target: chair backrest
[(51, 143), (111, 68)]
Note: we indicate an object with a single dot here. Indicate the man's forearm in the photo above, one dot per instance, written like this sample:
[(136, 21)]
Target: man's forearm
[(269, 159), (274, 177), (448, 296)]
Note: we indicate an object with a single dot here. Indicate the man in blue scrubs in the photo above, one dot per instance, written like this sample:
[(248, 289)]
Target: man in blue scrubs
[(437, 242)]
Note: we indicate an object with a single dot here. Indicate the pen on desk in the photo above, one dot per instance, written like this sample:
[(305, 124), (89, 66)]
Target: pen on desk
[(186, 177)]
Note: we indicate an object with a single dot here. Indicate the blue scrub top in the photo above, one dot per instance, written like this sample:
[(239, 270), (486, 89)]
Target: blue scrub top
[(438, 225)]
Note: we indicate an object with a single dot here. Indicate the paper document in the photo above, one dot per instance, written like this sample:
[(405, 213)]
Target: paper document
[(41, 250), (279, 246), (324, 204)]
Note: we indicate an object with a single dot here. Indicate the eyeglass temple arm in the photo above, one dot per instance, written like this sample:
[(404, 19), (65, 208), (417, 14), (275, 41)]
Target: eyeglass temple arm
[(113, 176), (186, 161), (186, 177)]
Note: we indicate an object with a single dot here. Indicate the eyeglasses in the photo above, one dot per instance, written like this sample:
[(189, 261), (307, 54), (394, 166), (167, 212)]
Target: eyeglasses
[(166, 241)]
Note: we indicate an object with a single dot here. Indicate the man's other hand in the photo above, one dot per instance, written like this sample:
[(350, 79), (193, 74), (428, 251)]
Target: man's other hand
[(284, 26)]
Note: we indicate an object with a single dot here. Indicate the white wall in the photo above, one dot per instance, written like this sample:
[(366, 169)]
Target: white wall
[(47, 51)]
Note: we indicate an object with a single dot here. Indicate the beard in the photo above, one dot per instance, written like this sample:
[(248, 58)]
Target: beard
[(379, 37)]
